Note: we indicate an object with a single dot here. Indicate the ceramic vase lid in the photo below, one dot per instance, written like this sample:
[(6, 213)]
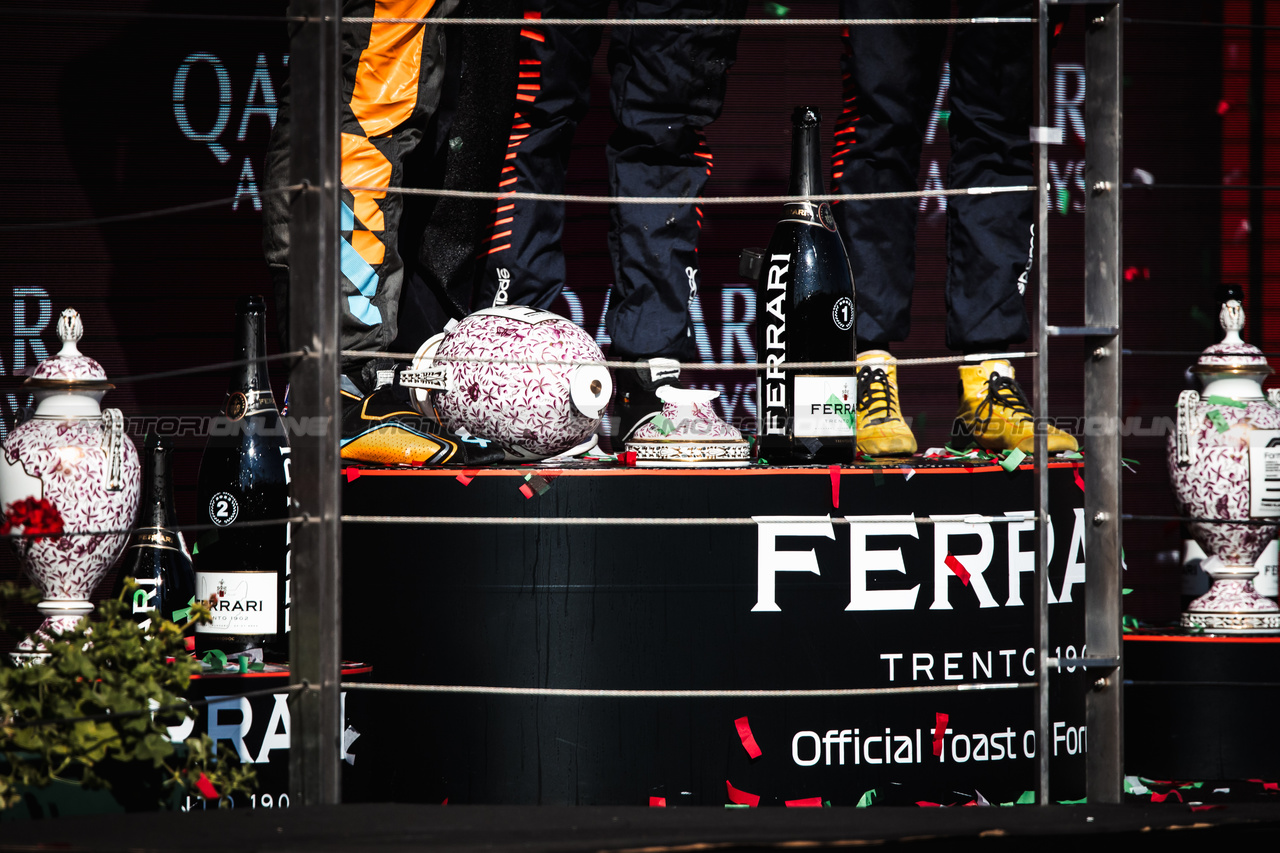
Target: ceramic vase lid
[(70, 369), (1232, 355)]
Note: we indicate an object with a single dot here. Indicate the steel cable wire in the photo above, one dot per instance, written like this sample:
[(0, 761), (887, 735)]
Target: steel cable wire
[(144, 214), (695, 200), (605, 693)]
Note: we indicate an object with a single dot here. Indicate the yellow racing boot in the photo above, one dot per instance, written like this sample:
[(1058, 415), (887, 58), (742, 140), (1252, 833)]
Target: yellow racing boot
[(881, 429), (994, 412)]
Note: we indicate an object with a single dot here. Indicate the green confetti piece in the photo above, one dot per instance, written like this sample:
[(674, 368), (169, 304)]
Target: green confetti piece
[(216, 658), (1071, 454), (184, 613), (1064, 201), (944, 116), (1126, 459), (195, 549), (1028, 798), (847, 416), (1202, 318), (867, 799), (777, 10), (1129, 623), (663, 425), (257, 666), (762, 461), (1125, 591), (1132, 785), (1219, 421), (736, 806), (1191, 785), (877, 476), (1078, 802), (826, 804), (1123, 564), (1218, 400), (1013, 460)]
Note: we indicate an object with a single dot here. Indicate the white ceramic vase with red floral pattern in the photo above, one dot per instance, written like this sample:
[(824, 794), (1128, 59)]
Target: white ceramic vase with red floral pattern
[(74, 456), (1217, 462), (529, 380)]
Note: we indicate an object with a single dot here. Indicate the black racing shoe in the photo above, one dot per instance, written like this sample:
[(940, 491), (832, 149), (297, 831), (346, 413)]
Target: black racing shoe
[(383, 428)]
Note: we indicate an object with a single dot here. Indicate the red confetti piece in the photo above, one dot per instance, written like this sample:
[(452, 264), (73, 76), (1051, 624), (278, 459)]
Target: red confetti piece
[(1079, 479), (1157, 797), (1267, 786), (206, 789), (1204, 807), (958, 569), (834, 470), (806, 803), (741, 798), (748, 739), (927, 804), (657, 802), (627, 458), (446, 802), (352, 473), (525, 490), (1223, 107), (189, 643), (939, 731), (466, 477)]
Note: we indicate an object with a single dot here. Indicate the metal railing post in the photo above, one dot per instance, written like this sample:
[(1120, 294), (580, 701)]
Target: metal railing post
[(1102, 308), (315, 612), (1041, 477)]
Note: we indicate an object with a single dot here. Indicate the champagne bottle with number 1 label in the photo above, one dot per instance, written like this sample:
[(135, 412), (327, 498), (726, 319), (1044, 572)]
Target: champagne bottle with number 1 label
[(805, 313), (242, 564)]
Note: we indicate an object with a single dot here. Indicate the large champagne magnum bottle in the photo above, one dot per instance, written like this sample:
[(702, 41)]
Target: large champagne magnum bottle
[(157, 557), (804, 313), (242, 570)]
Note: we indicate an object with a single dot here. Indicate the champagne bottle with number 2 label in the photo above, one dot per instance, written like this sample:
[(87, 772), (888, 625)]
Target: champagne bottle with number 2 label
[(242, 563)]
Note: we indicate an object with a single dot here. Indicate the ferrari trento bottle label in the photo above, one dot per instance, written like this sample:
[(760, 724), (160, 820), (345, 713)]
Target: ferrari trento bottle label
[(825, 406), (774, 386), (240, 602)]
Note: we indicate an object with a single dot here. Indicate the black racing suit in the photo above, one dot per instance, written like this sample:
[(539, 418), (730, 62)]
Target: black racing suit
[(891, 80), (667, 84)]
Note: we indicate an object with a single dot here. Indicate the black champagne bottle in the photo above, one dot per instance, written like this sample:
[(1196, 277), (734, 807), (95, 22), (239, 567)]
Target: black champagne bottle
[(805, 313), (157, 556), (242, 571)]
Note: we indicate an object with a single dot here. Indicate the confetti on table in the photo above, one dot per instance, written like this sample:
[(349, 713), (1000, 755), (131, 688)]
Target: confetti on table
[(466, 477), (867, 798), (957, 568), (907, 471), (657, 802), (525, 490), (1013, 460), (806, 803), (834, 471), (741, 798), (747, 738), (352, 473), (1157, 797), (206, 789)]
